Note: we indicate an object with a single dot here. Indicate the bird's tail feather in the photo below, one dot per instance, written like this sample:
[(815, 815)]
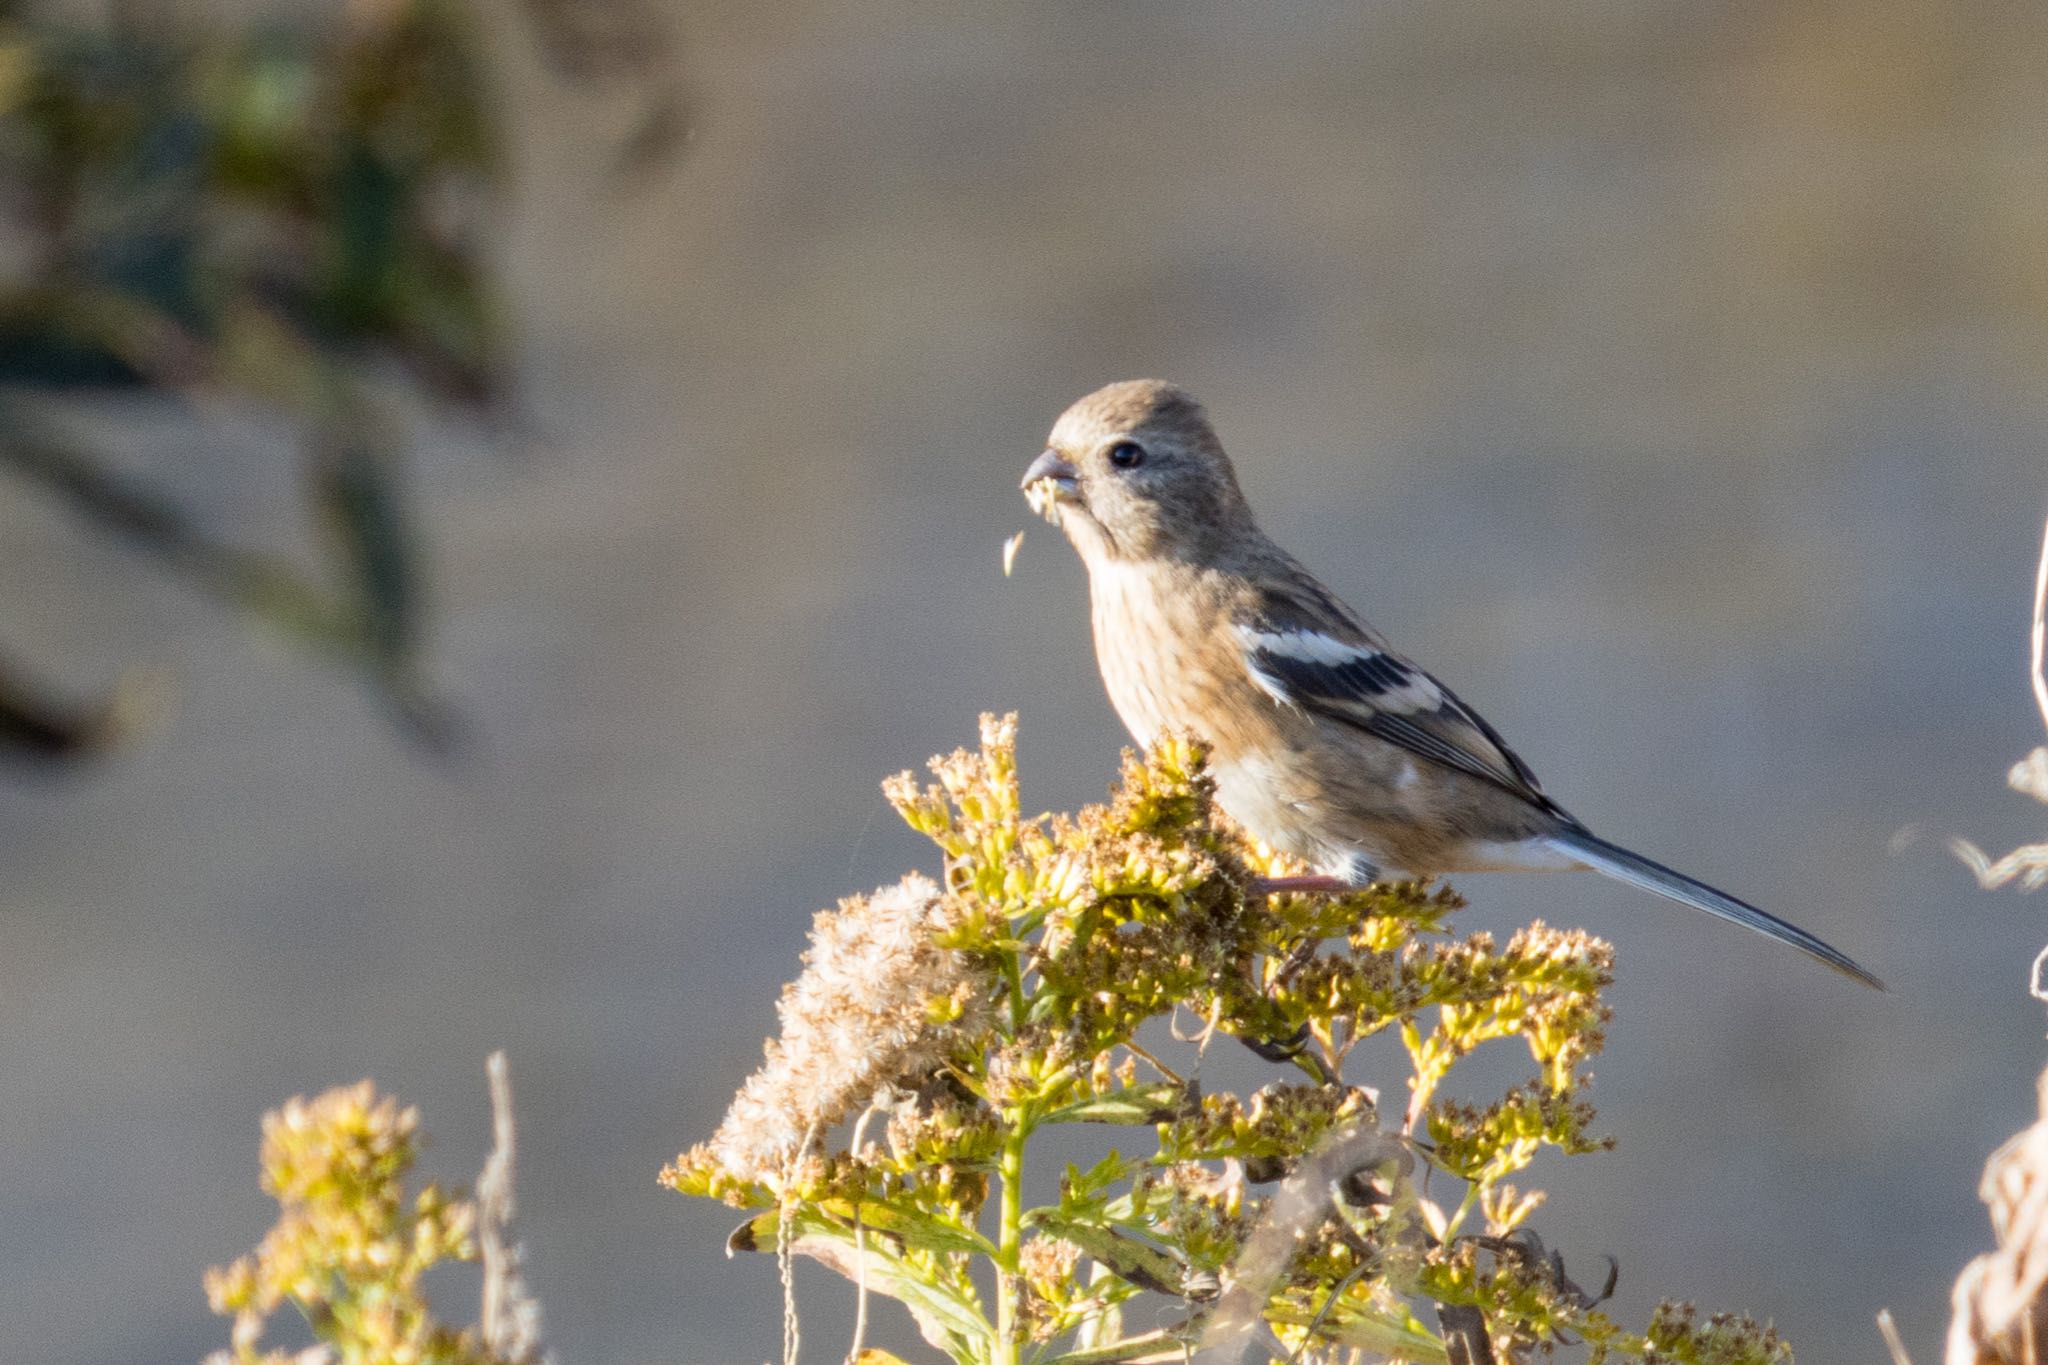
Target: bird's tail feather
[(1614, 861)]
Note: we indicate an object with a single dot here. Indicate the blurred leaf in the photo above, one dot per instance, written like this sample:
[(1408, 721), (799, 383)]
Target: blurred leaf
[(82, 334), (374, 628), (1394, 1332), (621, 44), (355, 485), (38, 728), (360, 496), (17, 62), (261, 584), (1150, 1348), (656, 140), (261, 354)]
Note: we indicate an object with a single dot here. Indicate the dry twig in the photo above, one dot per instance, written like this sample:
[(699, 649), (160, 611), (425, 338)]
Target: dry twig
[(511, 1315)]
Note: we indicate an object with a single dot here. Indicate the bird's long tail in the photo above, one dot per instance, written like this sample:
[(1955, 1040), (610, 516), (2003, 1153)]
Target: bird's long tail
[(1622, 865)]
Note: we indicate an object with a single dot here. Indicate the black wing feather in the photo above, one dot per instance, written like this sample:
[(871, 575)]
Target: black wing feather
[(1358, 688)]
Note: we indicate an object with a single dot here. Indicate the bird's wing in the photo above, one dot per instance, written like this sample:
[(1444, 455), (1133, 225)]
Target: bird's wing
[(1305, 651)]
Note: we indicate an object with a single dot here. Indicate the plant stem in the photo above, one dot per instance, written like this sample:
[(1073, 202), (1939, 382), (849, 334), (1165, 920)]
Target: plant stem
[(1473, 1191), (1013, 969), (1009, 1238)]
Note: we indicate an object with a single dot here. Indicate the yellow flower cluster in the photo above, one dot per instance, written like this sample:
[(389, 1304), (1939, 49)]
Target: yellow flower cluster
[(348, 1249), (1009, 1000)]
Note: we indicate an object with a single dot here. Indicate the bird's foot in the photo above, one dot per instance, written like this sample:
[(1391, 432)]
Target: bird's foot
[(1279, 1049), (1297, 958), (1298, 1049)]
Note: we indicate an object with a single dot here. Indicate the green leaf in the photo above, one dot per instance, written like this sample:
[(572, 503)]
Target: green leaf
[(917, 1228), (1160, 1103), (1137, 1262), (1168, 1343), (1083, 1194), (911, 1226), (947, 1319), (1403, 1337)]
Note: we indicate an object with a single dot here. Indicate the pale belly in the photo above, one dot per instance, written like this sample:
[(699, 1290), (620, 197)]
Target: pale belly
[(1382, 813)]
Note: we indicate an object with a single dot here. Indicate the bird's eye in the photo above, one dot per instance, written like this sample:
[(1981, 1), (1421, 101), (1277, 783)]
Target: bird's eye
[(1127, 454)]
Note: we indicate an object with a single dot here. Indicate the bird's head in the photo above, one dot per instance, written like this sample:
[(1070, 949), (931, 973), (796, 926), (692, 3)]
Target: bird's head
[(1134, 471)]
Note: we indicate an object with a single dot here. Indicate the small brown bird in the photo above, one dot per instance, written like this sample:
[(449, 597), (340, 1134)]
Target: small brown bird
[(1325, 744)]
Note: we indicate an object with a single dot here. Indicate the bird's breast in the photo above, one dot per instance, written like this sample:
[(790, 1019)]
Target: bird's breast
[(1140, 648), (1169, 660)]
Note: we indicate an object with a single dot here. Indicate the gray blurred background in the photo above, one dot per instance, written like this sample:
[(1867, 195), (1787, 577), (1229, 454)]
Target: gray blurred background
[(1668, 376)]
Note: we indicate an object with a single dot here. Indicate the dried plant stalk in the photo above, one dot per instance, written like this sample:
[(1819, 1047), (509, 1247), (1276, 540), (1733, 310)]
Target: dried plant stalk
[(2000, 1309), (2029, 862)]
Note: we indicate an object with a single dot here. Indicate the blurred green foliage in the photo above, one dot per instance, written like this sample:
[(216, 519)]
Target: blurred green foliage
[(288, 217)]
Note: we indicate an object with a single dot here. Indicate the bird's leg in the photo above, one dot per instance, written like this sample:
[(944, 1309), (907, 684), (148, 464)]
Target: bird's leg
[(1358, 872), (1352, 871)]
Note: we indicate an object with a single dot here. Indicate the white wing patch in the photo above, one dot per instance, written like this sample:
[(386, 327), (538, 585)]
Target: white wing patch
[(1287, 664), (1267, 682), (1309, 646)]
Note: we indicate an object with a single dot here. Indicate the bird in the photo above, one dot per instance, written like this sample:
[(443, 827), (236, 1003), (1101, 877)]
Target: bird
[(1325, 744)]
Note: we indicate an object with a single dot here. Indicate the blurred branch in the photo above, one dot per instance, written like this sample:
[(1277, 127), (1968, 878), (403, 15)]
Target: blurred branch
[(2000, 1301), (2038, 640), (1893, 1342)]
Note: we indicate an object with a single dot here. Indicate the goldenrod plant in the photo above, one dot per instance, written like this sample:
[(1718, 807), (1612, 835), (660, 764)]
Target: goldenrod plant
[(349, 1247), (940, 1028)]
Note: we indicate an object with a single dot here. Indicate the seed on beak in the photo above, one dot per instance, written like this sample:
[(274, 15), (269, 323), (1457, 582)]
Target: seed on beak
[(1049, 481)]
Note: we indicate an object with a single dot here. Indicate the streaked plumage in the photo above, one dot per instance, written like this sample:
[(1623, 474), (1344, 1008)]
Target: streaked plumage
[(1326, 743)]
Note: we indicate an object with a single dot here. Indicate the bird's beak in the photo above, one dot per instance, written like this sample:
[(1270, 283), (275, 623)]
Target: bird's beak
[(1051, 479)]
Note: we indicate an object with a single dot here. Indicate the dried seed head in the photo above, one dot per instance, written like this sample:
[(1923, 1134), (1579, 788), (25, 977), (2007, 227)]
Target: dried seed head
[(878, 1002)]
